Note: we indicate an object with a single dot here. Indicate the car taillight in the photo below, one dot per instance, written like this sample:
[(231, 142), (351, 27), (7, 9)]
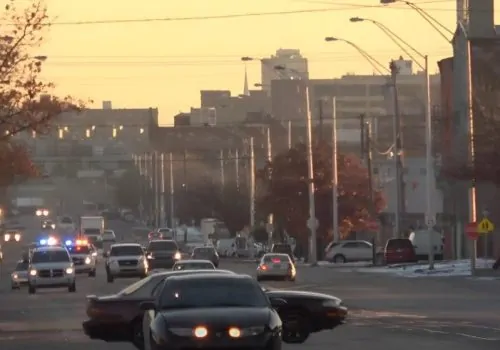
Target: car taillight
[(263, 267)]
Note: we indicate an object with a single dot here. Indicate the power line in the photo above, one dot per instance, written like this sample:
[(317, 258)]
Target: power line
[(202, 63), (233, 15)]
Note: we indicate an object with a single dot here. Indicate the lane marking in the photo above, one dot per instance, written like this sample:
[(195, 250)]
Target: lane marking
[(476, 337)]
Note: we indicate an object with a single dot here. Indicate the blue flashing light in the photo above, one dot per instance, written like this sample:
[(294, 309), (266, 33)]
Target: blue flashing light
[(43, 241), (68, 242)]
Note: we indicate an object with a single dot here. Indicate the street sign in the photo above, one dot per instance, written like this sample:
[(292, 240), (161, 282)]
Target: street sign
[(472, 230), (485, 226)]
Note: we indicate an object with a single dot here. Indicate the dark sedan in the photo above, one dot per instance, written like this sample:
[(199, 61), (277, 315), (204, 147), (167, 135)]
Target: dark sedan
[(231, 312), (162, 254), (206, 253), (118, 317)]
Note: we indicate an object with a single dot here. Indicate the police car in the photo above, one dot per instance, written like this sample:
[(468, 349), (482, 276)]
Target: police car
[(51, 266), (83, 255)]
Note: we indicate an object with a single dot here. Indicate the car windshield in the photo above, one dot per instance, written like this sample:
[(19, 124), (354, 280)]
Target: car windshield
[(276, 258), (204, 251), (79, 250), (50, 256), (217, 292), (162, 245), (109, 233), (126, 250), (199, 265), (66, 221), (22, 266)]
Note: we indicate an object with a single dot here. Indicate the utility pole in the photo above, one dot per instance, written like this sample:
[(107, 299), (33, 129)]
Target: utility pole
[(335, 182), (252, 184), (270, 219), (362, 135), (185, 185), (172, 194), (222, 174), (141, 187), (162, 197), (157, 190), (398, 148), (320, 114), (289, 130), (237, 170)]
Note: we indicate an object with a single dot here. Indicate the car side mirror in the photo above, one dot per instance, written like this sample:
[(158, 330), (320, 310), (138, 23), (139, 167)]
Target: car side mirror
[(147, 305), (278, 302)]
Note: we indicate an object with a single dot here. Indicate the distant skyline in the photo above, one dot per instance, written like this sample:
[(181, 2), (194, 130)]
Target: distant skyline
[(165, 64)]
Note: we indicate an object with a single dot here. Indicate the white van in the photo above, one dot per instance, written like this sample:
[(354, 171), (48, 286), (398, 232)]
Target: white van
[(420, 241), (226, 247)]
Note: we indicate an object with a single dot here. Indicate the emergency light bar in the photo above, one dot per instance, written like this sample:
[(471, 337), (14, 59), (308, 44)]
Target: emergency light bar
[(48, 241), (77, 242)]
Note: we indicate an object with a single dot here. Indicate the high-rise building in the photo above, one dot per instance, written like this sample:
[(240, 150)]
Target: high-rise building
[(293, 64)]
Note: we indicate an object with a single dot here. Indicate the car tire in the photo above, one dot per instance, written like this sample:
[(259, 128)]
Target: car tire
[(110, 278), (298, 331), (339, 259), (92, 273), (31, 289), (137, 335), (72, 288)]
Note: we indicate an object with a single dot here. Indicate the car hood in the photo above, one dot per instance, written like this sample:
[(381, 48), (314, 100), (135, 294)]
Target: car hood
[(79, 255), (20, 273), (221, 316), (282, 293), (53, 265), (125, 257), (162, 252)]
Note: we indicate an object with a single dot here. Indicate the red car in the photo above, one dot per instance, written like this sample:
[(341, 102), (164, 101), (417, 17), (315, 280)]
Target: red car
[(399, 250)]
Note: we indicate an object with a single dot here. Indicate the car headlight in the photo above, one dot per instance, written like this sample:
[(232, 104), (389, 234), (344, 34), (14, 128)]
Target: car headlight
[(150, 256), (17, 237), (88, 260), (32, 272), (15, 276), (94, 254), (7, 237), (177, 256), (332, 303), (69, 270)]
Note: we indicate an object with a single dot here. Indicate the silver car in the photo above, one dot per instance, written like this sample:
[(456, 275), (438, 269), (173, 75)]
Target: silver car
[(274, 266), (19, 276), (193, 264)]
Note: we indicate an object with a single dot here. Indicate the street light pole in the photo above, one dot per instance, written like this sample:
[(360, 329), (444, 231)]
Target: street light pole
[(429, 214), (335, 201)]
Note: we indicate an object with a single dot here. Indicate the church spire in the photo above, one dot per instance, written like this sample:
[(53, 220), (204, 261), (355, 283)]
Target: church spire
[(246, 91)]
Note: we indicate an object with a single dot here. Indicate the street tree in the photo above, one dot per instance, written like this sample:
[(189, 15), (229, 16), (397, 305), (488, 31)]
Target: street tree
[(128, 189), (286, 197), (27, 103)]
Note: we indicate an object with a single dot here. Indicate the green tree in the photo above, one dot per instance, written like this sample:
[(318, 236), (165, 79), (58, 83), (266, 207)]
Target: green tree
[(284, 183)]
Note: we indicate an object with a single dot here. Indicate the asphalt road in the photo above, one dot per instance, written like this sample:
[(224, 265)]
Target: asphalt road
[(386, 313)]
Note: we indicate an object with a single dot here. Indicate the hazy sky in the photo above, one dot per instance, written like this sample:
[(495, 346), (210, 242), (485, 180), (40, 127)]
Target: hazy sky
[(164, 64)]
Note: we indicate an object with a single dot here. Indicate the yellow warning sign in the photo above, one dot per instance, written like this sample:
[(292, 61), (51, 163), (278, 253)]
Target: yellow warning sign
[(485, 226)]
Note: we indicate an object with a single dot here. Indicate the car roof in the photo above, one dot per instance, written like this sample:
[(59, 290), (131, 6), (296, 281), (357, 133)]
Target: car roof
[(50, 249), (193, 261), (212, 276), (162, 240), (172, 273), (126, 245), (277, 254), (204, 247)]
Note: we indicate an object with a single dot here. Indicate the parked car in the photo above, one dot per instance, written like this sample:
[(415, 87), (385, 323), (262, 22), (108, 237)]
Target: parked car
[(399, 250), (349, 251)]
